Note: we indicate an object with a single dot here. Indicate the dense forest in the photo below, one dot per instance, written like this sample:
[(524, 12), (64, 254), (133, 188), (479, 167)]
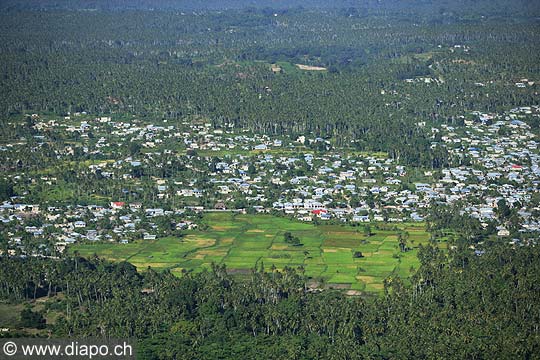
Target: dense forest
[(217, 65), (414, 6), (457, 306)]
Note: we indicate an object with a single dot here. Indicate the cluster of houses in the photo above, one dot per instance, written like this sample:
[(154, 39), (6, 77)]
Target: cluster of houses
[(494, 157), (119, 222)]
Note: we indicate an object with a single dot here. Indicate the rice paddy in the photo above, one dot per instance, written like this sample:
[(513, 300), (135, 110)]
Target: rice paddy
[(244, 242)]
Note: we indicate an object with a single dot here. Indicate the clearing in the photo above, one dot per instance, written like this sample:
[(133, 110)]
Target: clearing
[(310, 68)]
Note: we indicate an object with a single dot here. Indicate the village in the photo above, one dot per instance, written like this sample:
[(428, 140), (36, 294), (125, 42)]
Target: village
[(166, 177)]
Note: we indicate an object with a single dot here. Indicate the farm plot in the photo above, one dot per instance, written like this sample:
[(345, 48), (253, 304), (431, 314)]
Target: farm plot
[(335, 256)]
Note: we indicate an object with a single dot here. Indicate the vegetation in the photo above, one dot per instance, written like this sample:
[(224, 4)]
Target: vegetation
[(150, 134), (32, 319), (245, 242), (217, 66), (460, 305)]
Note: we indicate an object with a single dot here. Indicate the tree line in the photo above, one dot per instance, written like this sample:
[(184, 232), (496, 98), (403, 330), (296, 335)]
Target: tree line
[(458, 305)]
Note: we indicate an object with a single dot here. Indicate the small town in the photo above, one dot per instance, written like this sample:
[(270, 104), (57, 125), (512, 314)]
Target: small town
[(495, 157)]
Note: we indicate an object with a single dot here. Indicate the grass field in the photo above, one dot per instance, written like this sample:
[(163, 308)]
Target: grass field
[(10, 315), (245, 241)]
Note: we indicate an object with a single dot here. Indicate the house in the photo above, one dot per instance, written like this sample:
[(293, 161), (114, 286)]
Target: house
[(288, 206), (135, 206), (503, 232), (79, 224), (117, 205), (310, 204), (360, 218), (220, 205), (25, 208), (278, 205), (325, 216), (422, 187), (197, 193), (92, 235), (31, 229), (493, 175), (516, 167), (416, 217), (154, 212)]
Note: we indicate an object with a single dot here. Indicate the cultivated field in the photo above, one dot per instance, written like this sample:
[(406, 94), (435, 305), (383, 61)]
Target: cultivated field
[(245, 241)]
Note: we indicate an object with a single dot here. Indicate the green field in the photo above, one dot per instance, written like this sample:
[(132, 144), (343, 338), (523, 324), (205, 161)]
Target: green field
[(245, 241)]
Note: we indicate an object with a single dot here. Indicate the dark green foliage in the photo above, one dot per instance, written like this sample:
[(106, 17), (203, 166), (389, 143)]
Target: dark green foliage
[(367, 230), (6, 190), (31, 319), (291, 239), (134, 149), (166, 65), (503, 210), (402, 240), (458, 306), (347, 8)]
